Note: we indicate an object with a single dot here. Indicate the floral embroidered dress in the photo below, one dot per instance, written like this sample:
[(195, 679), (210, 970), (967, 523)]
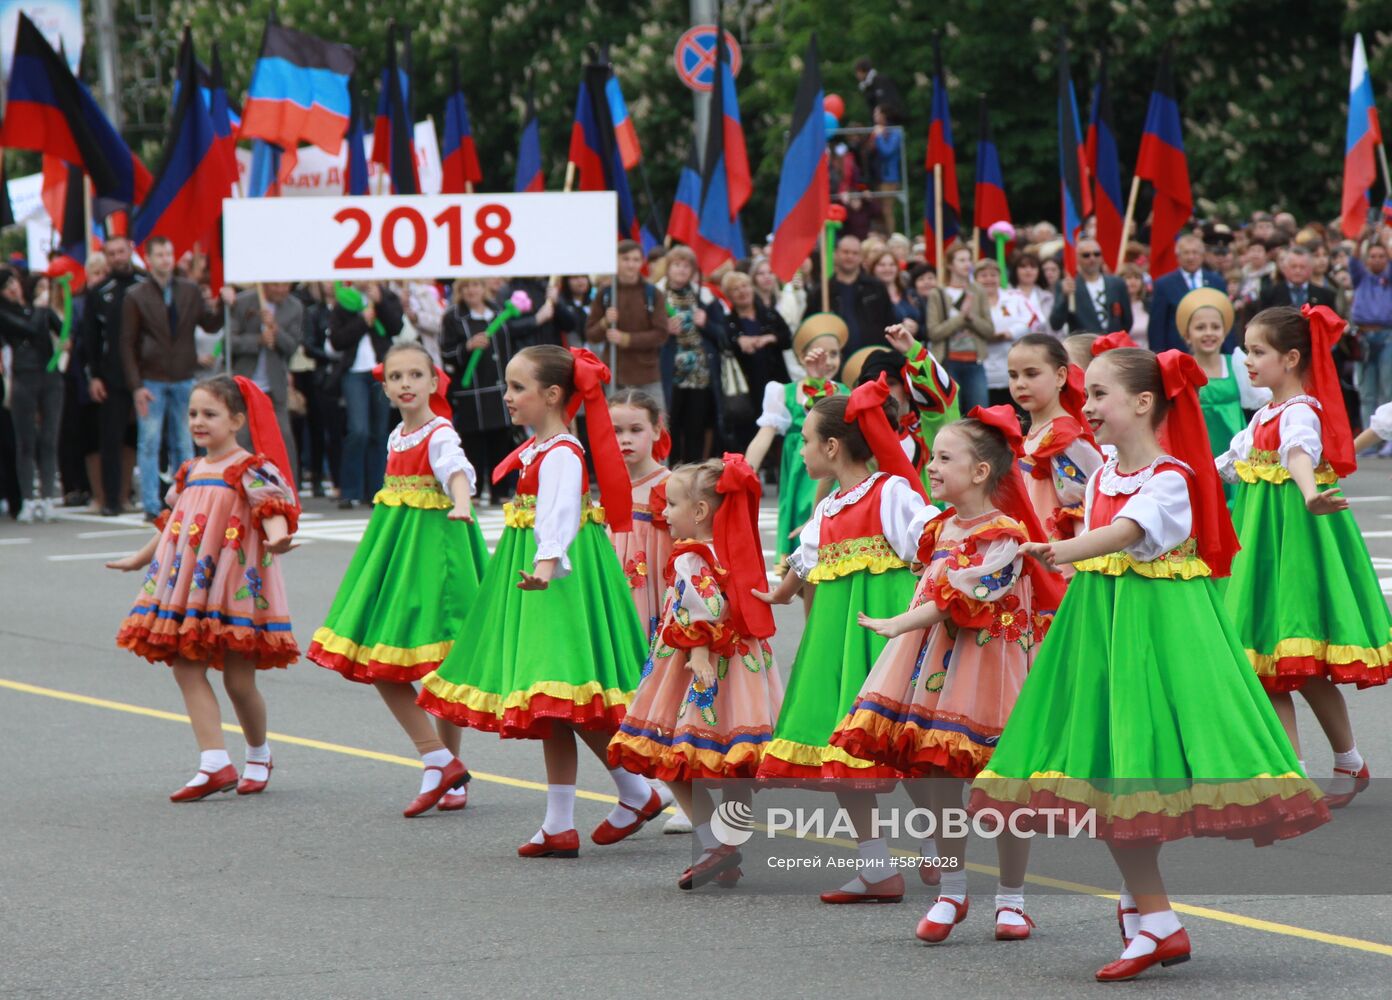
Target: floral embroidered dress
[(570, 653), (415, 573), (1303, 594), (1141, 704), (1059, 458), (856, 549), (938, 698), (211, 589), (643, 552), (678, 730), (786, 405)]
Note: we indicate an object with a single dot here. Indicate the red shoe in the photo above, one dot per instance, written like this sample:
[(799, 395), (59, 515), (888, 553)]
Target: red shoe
[(930, 875), (249, 786), (728, 878), (1121, 923), (607, 833), (1169, 951), (889, 890), (1012, 932), (457, 797), (710, 867), (565, 844), (934, 932), (224, 779), (1360, 778), (450, 775)]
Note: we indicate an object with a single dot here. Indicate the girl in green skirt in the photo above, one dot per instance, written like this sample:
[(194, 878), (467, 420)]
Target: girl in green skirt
[(1307, 603), (415, 572), (1119, 722), (555, 645)]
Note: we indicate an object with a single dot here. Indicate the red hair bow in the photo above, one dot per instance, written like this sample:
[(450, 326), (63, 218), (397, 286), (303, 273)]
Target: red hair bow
[(265, 436), (1111, 342), (739, 548), (1323, 382)]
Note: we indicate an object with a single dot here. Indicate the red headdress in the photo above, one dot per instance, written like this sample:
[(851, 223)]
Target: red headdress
[(662, 447), (439, 399), (1323, 382), (866, 408), (739, 549), (1012, 499), (1073, 396), (265, 437), (615, 492), (1185, 436), (1111, 342)]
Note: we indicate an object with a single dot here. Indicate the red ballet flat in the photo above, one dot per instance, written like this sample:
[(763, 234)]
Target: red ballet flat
[(710, 867), (250, 786), (889, 890), (1361, 779), (450, 775), (729, 878), (1168, 951), (565, 844), (455, 799), (1012, 932), (224, 779), (607, 833), (930, 875), (1121, 923), (933, 932)]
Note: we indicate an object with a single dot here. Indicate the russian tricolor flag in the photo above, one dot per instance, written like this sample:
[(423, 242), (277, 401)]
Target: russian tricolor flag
[(625, 132), (1105, 166), (594, 149), (459, 157), (1360, 145), (1162, 161), (719, 237), (529, 175), (1072, 162), (804, 193), (989, 198), (940, 153), (686, 206)]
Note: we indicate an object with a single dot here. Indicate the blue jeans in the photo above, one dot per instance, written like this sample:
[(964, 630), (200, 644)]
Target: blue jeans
[(365, 445), (167, 419), (970, 377), (1374, 371)]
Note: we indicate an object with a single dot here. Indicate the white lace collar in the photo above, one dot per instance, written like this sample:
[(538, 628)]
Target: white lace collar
[(1114, 483), (405, 442), (530, 453), (840, 501), (1271, 411)]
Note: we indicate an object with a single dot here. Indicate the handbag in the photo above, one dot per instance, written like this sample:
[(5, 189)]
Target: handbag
[(734, 387)]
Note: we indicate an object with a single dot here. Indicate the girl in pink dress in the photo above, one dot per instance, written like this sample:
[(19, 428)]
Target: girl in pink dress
[(938, 697), (710, 693), (212, 595)]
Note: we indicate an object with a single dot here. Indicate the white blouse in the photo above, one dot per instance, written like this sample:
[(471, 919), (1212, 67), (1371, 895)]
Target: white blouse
[(903, 516), (1382, 421), (1299, 428), (445, 451), (559, 502), (775, 413), (1159, 504)]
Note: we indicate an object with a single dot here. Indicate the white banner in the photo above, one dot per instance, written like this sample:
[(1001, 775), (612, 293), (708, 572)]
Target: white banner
[(320, 174), (418, 236)]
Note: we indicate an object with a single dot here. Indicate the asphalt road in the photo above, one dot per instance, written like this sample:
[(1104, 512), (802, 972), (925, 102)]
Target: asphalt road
[(319, 888)]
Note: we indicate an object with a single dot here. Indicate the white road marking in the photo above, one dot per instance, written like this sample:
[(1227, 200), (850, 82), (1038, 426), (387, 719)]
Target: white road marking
[(114, 533), (1369, 500), (82, 556), (15, 541)]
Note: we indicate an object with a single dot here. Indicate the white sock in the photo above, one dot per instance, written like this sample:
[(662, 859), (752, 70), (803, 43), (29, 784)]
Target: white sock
[(874, 865), (1130, 922), (634, 794), (706, 837), (256, 760), (1349, 760), (430, 780), (560, 811), (1012, 899), (1161, 924), (953, 886), (664, 794), (209, 760)]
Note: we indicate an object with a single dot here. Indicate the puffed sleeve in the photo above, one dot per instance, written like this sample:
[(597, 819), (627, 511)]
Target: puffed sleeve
[(1300, 428), (268, 493), (1238, 450), (803, 559), (1072, 469), (558, 507), (1252, 397), (447, 457), (698, 612), (981, 570), (172, 496), (903, 516), (775, 412), (1382, 421), (1162, 509)]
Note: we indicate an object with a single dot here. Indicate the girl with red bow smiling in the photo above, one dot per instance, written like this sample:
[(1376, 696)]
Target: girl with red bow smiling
[(1309, 612), (1119, 722), (940, 694), (856, 550), (415, 573), (554, 641), (213, 595), (710, 692)]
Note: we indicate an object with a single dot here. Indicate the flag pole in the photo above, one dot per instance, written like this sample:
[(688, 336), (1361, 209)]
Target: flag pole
[(938, 221), (1386, 175), (826, 268), (1131, 212)]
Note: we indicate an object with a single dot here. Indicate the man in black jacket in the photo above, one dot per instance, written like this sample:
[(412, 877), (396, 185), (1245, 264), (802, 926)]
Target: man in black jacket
[(856, 297), (106, 380)]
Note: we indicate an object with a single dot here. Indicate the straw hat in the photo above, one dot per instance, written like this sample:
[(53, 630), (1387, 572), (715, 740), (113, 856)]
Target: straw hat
[(1203, 298), (851, 369), (821, 324)]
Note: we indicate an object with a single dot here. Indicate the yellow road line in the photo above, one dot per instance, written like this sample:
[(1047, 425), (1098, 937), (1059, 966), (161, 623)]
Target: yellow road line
[(1206, 912)]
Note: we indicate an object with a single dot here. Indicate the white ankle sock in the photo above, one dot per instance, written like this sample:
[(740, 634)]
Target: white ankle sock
[(1130, 922), (209, 760), (1012, 899), (430, 780), (1340, 783), (560, 811), (873, 856), (1161, 924), (664, 794), (1349, 760), (257, 759), (634, 794), (706, 837), (952, 886)]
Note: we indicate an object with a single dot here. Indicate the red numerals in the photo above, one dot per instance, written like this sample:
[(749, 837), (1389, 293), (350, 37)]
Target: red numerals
[(493, 245)]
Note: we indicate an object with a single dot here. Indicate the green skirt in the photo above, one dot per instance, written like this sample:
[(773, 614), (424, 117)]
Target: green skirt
[(529, 658), (1303, 593), (1141, 707), (411, 583), (833, 660), (797, 495)]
